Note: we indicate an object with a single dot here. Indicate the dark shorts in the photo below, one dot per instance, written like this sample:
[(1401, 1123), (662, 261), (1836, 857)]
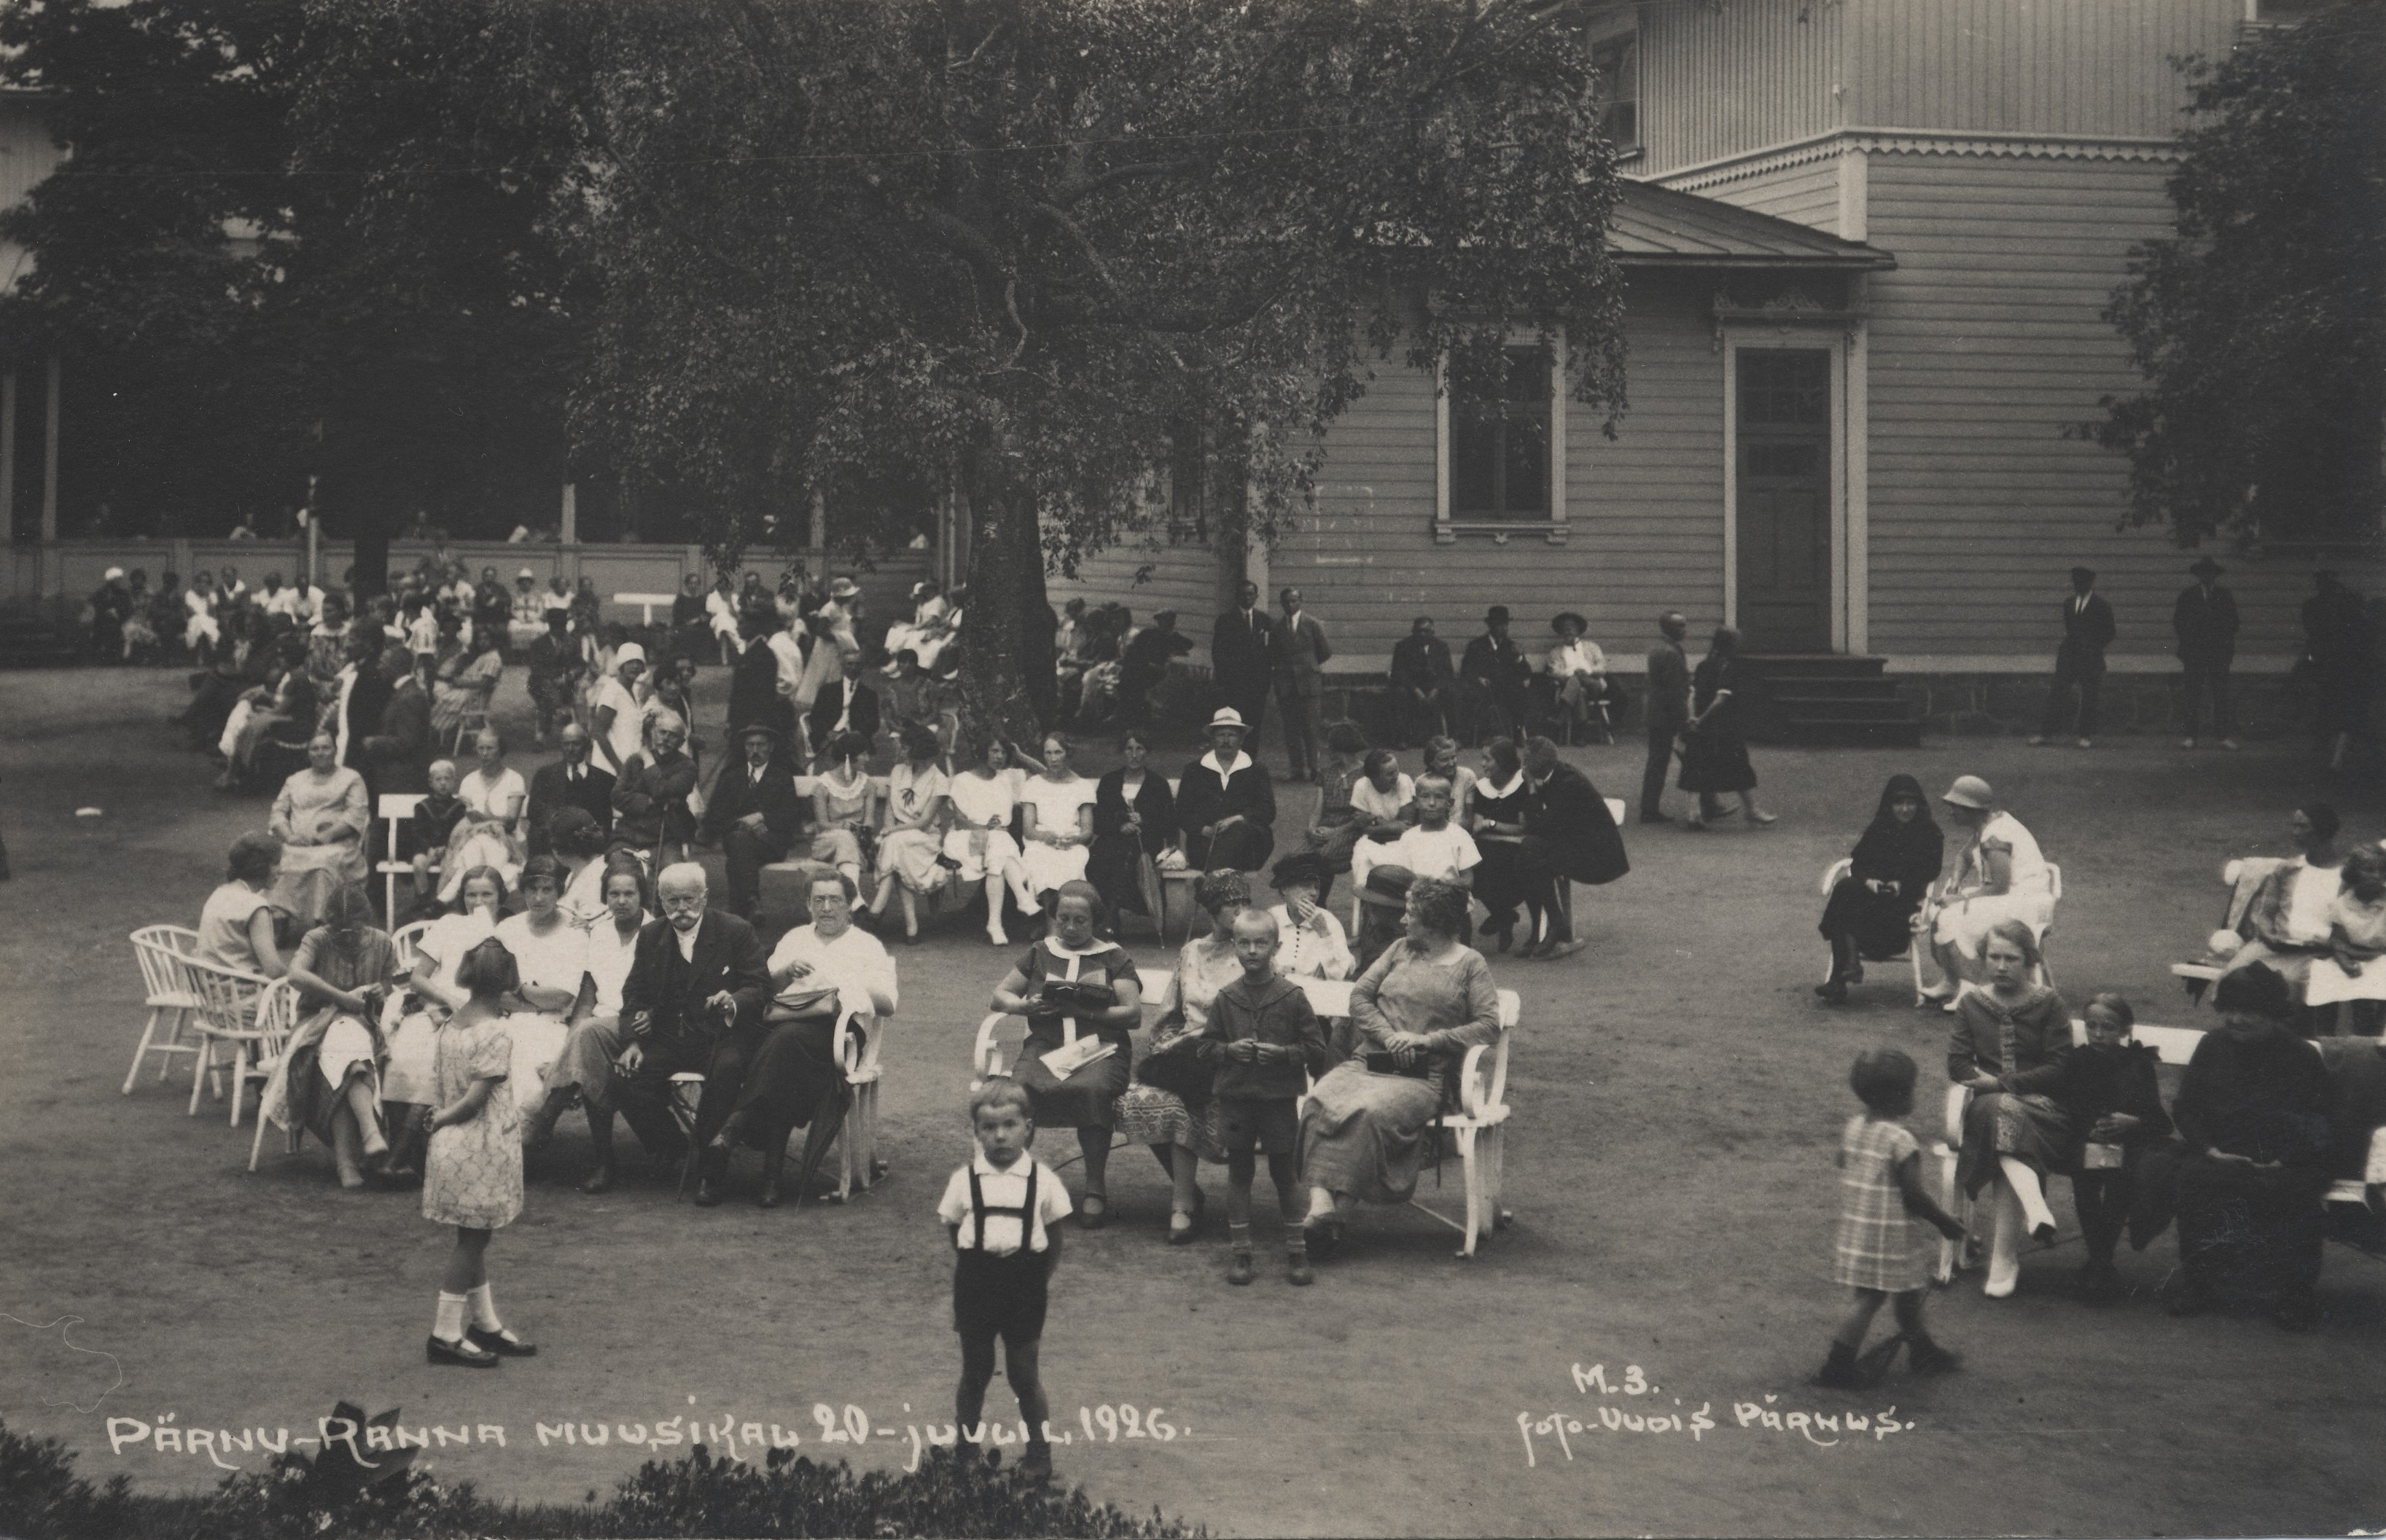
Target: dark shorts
[(999, 1296), (1272, 1126)]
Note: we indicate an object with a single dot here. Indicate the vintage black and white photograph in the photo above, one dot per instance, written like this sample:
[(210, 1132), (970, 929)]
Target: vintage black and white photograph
[(1388, 768)]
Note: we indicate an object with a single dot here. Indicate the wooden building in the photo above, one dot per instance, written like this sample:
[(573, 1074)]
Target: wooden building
[(1867, 247)]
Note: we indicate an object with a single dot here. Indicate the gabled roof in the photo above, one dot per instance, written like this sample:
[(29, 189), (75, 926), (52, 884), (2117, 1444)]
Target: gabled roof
[(1655, 226)]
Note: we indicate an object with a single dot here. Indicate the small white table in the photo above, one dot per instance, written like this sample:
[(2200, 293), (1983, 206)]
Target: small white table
[(646, 602)]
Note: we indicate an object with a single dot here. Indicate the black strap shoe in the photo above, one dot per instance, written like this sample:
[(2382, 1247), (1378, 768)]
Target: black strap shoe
[(502, 1342), (463, 1352)]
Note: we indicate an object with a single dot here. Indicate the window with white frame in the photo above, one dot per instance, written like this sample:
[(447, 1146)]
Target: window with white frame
[(1500, 441), (1617, 64)]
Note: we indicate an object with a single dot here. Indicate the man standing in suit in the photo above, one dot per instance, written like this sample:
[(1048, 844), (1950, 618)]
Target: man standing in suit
[(397, 753), (1300, 654), (754, 815), (2204, 620), (1242, 648), (1669, 711), (361, 693), (693, 1001), (848, 706), (571, 782), (1421, 683), (2087, 632), (1569, 837)]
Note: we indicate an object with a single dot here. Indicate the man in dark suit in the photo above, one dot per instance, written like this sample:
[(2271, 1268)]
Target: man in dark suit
[(358, 695), (1421, 683), (1226, 805), (849, 705), (2204, 620), (1242, 659), (1301, 652), (2087, 632), (1498, 680), (571, 782), (754, 814), (397, 753), (693, 1001), (1569, 837), (754, 678)]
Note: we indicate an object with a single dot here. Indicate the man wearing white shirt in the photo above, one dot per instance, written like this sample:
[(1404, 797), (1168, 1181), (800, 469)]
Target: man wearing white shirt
[(1579, 669)]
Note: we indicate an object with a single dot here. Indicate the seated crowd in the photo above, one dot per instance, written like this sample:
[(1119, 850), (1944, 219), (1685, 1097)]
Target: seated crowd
[(2272, 1107)]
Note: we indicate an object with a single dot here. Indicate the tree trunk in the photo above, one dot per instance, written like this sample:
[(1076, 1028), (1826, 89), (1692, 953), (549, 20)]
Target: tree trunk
[(1007, 679)]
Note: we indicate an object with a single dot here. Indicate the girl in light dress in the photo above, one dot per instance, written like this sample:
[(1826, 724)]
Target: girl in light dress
[(473, 1174), (551, 953), (1058, 828), (908, 848), (490, 833), (1878, 1252), (410, 1078), (841, 806), (978, 843)]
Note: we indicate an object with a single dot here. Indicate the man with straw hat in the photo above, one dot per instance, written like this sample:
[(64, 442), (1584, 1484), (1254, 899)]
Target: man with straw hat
[(1225, 803), (2204, 620)]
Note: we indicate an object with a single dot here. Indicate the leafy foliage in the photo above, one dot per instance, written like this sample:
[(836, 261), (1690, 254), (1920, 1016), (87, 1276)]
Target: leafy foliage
[(301, 1498), (1029, 248), (2261, 324)]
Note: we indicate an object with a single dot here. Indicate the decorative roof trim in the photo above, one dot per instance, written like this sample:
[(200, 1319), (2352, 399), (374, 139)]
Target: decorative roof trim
[(1822, 146)]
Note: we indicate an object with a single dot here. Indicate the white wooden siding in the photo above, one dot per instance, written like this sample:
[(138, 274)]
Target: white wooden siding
[(1984, 343), (1644, 510), (1719, 80), (1182, 578)]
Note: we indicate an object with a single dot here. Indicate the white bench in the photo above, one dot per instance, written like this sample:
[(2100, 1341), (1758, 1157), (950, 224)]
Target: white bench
[(2175, 1045), (2242, 878), (646, 602), (1477, 1130)]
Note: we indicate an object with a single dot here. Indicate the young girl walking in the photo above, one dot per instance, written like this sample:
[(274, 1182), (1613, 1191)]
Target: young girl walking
[(1880, 1252), (472, 1175)]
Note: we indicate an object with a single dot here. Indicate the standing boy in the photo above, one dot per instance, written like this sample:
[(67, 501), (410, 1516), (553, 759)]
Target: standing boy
[(1267, 1044), (999, 1211)]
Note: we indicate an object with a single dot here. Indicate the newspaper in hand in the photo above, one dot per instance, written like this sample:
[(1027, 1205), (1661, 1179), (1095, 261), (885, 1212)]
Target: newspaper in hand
[(1066, 1061)]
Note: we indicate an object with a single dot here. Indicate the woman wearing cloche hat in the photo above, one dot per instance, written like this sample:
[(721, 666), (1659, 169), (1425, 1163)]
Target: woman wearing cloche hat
[(1999, 874)]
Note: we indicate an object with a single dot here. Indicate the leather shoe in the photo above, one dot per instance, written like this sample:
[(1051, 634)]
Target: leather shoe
[(1553, 949), (502, 1342), (707, 1191), (463, 1352), (598, 1180)]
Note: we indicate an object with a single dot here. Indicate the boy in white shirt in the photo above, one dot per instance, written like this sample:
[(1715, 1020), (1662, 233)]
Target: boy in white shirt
[(1436, 848), (999, 1211)]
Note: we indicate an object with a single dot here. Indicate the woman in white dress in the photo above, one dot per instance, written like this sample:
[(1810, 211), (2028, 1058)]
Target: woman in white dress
[(410, 1075), (1999, 875), (842, 815), (202, 633), (490, 833), (910, 842), (321, 818), (978, 843), (1057, 820), (551, 953)]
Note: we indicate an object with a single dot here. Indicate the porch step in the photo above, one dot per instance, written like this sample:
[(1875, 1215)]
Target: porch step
[(1829, 698)]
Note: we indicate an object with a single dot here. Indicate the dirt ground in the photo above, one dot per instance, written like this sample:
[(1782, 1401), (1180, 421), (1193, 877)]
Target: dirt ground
[(1677, 1092)]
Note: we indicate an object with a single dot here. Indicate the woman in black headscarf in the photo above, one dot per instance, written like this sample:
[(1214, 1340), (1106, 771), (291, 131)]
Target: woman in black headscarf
[(1871, 911)]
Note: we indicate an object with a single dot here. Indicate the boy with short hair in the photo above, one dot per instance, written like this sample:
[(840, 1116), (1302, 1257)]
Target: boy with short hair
[(999, 1210), (1265, 1043)]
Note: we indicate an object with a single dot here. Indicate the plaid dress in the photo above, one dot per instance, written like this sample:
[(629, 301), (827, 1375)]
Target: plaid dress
[(1880, 1245)]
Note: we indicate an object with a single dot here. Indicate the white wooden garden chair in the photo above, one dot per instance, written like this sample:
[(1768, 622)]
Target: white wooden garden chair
[(277, 1018), (227, 1015), (395, 807), (169, 995), (2243, 878)]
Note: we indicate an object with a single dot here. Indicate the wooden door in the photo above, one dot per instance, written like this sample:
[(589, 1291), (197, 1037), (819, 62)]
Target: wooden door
[(1784, 499)]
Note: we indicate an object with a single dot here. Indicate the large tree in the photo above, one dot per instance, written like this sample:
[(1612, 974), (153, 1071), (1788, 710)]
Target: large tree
[(2260, 325), (1025, 248)]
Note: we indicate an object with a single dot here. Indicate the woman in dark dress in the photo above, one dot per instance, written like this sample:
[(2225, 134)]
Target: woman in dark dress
[(1135, 820), (1495, 816), (1871, 910), (1073, 985), (1714, 742)]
